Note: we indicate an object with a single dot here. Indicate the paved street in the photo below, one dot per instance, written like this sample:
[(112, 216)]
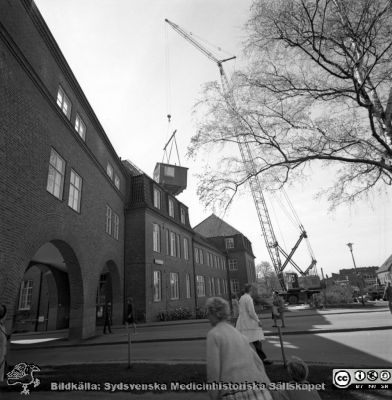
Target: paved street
[(354, 338)]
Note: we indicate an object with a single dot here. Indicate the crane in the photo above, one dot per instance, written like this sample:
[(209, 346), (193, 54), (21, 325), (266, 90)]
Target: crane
[(274, 249)]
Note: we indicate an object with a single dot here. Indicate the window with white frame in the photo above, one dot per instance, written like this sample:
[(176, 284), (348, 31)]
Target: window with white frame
[(117, 182), (229, 243), (218, 286), (116, 226), (178, 245), (212, 286), (75, 191), (208, 258), (172, 244), (235, 286), (80, 127), (108, 220), (109, 170), (224, 287), (25, 296), (167, 242), (233, 265), (171, 208), (56, 174), (200, 286), (186, 249), (63, 102), (188, 286), (183, 215), (215, 261), (174, 295), (208, 280), (197, 254), (157, 286), (201, 256), (157, 198), (156, 238)]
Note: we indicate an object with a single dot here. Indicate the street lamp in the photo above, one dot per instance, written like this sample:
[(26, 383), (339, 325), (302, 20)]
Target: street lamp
[(350, 246)]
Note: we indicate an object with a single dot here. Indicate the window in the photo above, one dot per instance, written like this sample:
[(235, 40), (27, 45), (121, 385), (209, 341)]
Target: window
[(157, 198), (157, 286), (215, 261), (201, 289), (196, 254), (117, 182), (172, 244), (56, 174), (188, 286), (233, 265), (209, 285), (156, 238), (26, 291), (63, 102), (201, 257), (218, 286), (116, 225), (171, 208), (169, 171), (108, 220), (208, 258), (75, 191), (183, 215), (167, 242), (186, 249), (109, 170), (229, 242), (178, 241), (235, 286), (80, 127), (212, 287), (174, 286)]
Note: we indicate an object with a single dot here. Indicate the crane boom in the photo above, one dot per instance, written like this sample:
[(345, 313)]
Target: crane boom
[(272, 245)]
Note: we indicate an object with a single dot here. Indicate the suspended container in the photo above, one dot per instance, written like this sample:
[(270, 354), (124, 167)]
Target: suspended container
[(172, 177)]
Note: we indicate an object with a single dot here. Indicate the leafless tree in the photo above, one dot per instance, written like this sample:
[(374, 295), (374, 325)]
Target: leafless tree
[(316, 90), (267, 278)]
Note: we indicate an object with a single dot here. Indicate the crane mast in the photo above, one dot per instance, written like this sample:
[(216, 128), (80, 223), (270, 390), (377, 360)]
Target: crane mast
[(272, 245)]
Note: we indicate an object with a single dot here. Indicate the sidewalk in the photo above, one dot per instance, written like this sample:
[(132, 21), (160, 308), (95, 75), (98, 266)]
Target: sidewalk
[(169, 331)]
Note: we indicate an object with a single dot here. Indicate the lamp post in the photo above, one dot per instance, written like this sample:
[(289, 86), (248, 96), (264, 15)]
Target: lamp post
[(350, 246)]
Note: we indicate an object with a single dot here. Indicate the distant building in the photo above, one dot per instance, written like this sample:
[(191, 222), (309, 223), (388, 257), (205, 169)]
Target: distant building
[(384, 273), (236, 247), (360, 277)]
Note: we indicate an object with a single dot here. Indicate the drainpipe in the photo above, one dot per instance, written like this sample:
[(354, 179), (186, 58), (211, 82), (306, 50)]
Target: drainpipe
[(194, 276)]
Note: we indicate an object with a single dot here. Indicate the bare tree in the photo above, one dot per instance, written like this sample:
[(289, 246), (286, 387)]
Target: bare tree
[(316, 89), (267, 278)]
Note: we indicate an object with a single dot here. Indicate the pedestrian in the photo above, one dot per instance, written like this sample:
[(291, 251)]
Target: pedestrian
[(131, 314), (230, 359), (234, 309), (388, 295), (299, 371), (249, 324), (277, 308), (107, 317), (3, 341)]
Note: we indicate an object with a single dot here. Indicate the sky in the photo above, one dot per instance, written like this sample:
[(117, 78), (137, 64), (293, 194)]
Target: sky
[(135, 69)]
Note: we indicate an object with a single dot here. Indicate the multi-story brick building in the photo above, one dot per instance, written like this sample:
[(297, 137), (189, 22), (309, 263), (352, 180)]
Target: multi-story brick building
[(79, 226), (236, 247)]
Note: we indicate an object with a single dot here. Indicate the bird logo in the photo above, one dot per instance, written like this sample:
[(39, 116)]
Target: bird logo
[(23, 374)]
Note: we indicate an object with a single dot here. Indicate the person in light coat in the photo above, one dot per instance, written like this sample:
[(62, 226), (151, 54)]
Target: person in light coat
[(248, 323), (230, 359)]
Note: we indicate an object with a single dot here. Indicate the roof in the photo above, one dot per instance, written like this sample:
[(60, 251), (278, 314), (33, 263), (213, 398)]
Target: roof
[(213, 226), (132, 168), (386, 266)]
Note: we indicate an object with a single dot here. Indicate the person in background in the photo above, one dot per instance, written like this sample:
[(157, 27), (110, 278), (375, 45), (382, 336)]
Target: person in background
[(3, 341), (277, 308), (107, 317), (299, 372), (248, 323), (234, 308), (388, 296), (131, 314), (230, 359)]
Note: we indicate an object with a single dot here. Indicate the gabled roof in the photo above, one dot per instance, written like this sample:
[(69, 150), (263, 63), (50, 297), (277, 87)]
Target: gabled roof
[(213, 226), (387, 266)]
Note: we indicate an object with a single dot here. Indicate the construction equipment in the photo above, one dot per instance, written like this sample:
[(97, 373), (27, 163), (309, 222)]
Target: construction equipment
[(291, 292)]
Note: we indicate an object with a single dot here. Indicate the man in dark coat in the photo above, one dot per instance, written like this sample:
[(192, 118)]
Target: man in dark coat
[(108, 317)]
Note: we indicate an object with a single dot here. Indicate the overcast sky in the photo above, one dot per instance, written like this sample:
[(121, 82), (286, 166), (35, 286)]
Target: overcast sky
[(134, 70)]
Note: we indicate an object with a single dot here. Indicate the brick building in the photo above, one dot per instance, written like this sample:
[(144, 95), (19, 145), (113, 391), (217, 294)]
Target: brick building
[(236, 247), (80, 227)]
